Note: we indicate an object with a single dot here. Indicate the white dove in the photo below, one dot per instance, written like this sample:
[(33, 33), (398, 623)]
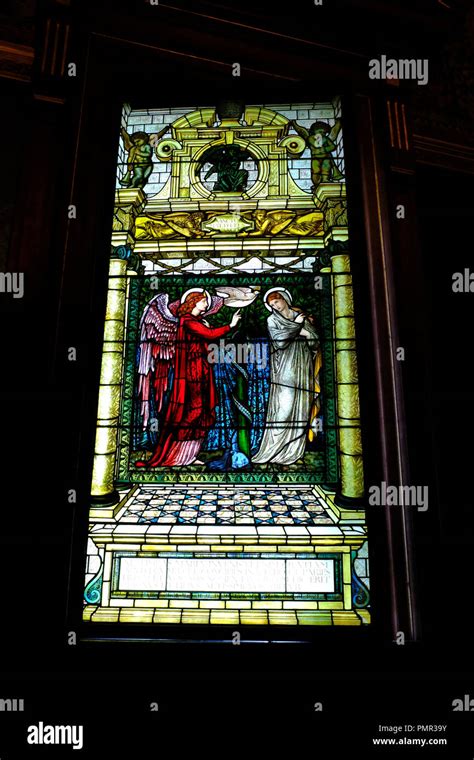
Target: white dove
[(237, 298)]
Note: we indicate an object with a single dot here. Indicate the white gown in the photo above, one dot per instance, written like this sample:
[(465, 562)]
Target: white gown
[(292, 389)]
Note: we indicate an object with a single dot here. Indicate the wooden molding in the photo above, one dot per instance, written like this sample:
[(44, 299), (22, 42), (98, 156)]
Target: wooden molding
[(16, 61), (445, 154)]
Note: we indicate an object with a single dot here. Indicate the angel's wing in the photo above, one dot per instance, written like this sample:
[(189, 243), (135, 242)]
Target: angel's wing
[(335, 130), (212, 154), (126, 139), (216, 304), (158, 327)]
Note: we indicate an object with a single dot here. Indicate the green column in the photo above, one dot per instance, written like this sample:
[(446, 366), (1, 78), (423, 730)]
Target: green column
[(103, 489), (128, 205), (347, 385)]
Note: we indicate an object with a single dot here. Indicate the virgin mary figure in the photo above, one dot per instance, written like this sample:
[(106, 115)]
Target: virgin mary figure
[(293, 346)]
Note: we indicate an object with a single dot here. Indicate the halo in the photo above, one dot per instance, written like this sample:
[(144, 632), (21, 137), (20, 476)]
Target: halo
[(197, 290), (274, 290)]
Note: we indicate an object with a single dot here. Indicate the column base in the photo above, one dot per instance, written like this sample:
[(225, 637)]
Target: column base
[(106, 500), (349, 502)]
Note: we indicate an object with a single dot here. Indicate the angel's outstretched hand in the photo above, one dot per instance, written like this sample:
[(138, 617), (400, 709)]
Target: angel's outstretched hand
[(236, 318)]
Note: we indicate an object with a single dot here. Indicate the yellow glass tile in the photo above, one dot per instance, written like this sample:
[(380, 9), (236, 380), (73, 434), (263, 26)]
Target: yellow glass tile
[(88, 611), (238, 605), (106, 615), (272, 540), (314, 618), (267, 605), (167, 616), (323, 541), (307, 605), (254, 617), (184, 603), (225, 616), (229, 539), (154, 542), (196, 616), (346, 563), (246, 539), (346, 618), (282, 618), (136, 616), (298, 541), (347, 596), (182, 540)]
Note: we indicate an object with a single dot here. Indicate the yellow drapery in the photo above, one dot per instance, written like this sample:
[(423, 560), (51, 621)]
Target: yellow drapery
[(316, 408)]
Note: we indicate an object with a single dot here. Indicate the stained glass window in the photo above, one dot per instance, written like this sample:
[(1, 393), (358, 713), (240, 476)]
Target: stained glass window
[(228, 474)]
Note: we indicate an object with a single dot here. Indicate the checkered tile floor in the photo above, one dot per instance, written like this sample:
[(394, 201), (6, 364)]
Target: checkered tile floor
[(225, 506)]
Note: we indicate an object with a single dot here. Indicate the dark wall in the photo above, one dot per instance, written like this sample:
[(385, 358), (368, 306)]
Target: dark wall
[(13, 129), (446, 217), (440, 408), (42, 416)]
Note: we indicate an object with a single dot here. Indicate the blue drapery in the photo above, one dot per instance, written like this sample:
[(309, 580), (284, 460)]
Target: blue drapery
[(220, 437)]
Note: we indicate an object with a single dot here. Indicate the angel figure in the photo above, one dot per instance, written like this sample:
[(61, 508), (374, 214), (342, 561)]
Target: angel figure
[(161, 227), (175, 336), (139, 162), (320, 139), (285, 222)]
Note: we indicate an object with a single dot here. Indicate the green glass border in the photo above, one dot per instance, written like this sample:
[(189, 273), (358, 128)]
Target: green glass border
[(327, 471)]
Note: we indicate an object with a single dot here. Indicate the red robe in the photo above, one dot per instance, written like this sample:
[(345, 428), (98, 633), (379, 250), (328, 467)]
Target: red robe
[(191, 410)]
